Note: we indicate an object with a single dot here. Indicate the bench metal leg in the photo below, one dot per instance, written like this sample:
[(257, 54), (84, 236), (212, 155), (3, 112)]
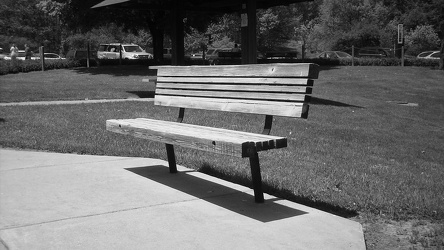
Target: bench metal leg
[(171, 158), (256, 176)]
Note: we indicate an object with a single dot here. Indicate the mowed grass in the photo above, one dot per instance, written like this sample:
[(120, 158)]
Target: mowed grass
[(373, 141), (81, 83)]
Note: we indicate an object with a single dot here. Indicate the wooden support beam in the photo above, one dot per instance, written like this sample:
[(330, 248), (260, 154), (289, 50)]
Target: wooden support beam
[(248, 32), (177, 34)]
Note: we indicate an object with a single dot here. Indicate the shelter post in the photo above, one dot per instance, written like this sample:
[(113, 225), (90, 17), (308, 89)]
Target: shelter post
[(248, 32), (177, 34)]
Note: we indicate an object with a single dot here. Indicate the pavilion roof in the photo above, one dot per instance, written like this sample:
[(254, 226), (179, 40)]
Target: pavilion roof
[(225, 6)]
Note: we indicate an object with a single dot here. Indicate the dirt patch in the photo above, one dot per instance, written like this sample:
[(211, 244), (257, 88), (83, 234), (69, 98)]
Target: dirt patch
[(415, 234)]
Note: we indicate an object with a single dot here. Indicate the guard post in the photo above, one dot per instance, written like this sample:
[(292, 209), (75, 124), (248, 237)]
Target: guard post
[(42, 57)]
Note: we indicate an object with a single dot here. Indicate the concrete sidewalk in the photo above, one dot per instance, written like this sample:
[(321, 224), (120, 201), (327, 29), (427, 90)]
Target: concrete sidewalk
[(69, 201)]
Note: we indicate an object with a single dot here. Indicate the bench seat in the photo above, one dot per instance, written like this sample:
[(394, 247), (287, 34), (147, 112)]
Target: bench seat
[(217, 140)]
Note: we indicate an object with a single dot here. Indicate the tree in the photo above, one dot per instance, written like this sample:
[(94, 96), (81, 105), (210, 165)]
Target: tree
[(303, 33), (342, 24), (276, 27), (225, 31), (23, 22), (422, 38), (52, 10)]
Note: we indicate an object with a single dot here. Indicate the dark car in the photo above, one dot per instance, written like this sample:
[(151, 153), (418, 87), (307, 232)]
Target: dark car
[(372, 52), (81, 54)]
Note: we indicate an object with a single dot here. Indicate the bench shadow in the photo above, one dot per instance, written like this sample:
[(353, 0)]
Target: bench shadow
[(282, 193), (320, 101), (220, 195), (142, 94), (118, 70)]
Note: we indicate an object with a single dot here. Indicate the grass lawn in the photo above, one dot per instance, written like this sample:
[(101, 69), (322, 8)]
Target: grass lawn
[(371, 148), (78, 84)]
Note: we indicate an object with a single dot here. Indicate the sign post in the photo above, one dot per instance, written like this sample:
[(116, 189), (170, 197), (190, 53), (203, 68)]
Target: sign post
[(400, 33), (401, 41)]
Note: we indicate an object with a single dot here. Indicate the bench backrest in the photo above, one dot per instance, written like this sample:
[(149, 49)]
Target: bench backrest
[(269, 89)]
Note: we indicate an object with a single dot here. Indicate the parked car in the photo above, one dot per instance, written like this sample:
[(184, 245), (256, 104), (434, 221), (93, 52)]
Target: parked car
[(80, 54), (129, 51), (21, 56), (372, 52), (52, 56), (333, 55), (429, 55)]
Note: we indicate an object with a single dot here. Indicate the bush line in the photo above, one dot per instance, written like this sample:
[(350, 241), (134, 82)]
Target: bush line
[(10, 67)]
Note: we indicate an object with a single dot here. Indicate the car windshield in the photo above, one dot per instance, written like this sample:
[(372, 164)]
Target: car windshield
[(133, 48), (435, 54), (424, 54)]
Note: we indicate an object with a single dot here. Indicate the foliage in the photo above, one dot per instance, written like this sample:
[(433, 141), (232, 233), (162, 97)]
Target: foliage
[(226, 28), (367, 61), (422, 38), (17, 66), (22, 22), (107, 34), (343, 24), (275, 27), (195, 41)]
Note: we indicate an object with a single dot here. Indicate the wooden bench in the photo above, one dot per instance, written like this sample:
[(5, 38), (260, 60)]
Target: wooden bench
[(266, 89)]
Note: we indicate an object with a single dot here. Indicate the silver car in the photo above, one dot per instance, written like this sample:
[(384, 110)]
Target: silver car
[(334, 55), (429, 55)]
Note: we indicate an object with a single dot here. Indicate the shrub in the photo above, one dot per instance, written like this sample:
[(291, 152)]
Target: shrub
[(366, 61), (9, 66), (422, 38)]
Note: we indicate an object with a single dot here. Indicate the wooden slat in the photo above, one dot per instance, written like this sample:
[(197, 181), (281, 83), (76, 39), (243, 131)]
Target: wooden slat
[(235, 87), (238, 80), (289, 109), (237, 95), (300, 70), (216, 140)]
